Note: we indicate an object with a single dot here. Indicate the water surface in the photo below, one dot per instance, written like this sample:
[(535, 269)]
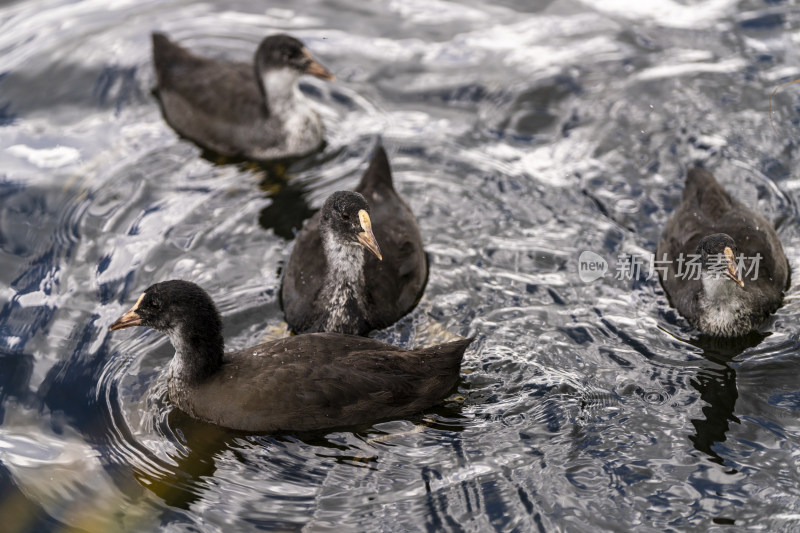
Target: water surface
[(521, 134)]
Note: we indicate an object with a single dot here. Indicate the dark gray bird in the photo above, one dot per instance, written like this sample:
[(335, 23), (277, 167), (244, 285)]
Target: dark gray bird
[(331, 284), (238, 109), (300, 383), (740, 270)]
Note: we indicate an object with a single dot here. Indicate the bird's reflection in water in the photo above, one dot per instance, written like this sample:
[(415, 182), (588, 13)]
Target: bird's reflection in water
[(201, 445), (288, 208), (181, 485), (717, 388)]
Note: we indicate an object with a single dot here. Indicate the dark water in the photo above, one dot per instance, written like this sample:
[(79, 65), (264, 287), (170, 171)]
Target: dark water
[(521, 135)]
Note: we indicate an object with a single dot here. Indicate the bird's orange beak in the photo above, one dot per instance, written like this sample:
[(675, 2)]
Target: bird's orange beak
[(129, 319), (730, 272), (366, 237), (315, 68)]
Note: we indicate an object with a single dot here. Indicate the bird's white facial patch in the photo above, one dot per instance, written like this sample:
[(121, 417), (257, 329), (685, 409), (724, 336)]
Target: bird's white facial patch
[(366, 223), (136, 305), (729, 254)]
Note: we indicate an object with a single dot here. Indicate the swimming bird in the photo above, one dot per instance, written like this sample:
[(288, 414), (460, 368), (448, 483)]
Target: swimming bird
[(721, 264), (300, 383), (238, 109), (358, 264)]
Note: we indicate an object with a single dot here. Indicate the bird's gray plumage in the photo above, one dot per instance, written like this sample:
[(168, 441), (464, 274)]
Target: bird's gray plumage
[(705, 209), (304, 382), (224, 107), (393, 286)]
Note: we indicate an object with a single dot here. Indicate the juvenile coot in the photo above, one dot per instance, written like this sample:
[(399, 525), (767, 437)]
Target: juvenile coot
[(740, 270), (330, 284), (237, 109), (305, 382)]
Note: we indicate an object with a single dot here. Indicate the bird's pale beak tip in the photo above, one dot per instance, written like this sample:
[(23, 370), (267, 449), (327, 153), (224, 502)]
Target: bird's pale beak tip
[(127, 320)]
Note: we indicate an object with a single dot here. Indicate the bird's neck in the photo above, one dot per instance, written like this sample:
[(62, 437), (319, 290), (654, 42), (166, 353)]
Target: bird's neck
[(198, 353), (719, 290), (281, 93), (725, 307), (342, 295)]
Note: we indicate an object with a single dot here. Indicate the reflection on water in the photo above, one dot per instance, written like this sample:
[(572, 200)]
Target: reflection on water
[(717, 387), (287, 210), (180, 484), (288, 207), (521, 135)]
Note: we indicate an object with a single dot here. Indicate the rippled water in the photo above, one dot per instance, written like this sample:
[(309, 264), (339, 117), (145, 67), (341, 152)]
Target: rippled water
[(521, 135)]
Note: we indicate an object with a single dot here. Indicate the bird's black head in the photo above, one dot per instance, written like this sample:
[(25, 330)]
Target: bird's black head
[(715, 244), (171, 305), (345, 215), (719, 250), (282, 51)]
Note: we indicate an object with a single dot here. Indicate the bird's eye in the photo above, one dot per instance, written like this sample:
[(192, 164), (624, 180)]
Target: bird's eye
[(345, 216)]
